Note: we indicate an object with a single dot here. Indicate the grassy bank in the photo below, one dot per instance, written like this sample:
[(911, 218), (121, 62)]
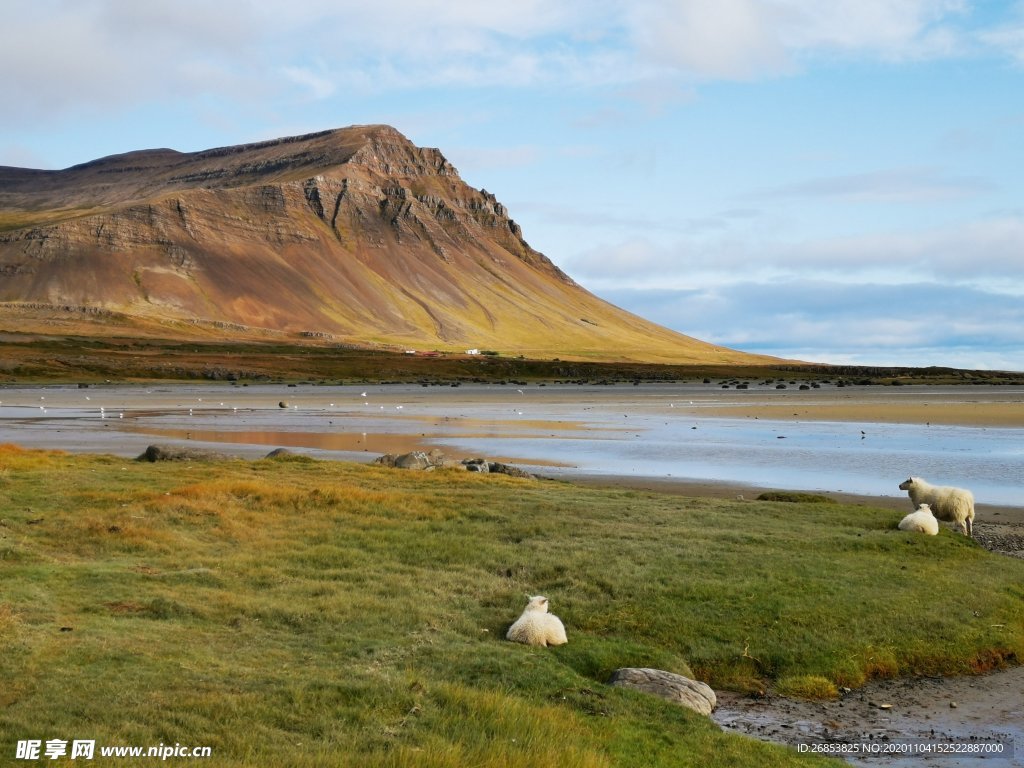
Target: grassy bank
[(53, 359), (305, 613)]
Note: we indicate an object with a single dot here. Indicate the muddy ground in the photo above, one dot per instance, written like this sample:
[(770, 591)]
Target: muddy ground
[(927, 713)]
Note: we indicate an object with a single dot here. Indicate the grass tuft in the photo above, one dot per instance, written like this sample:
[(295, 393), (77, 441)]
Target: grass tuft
[(796, 497)]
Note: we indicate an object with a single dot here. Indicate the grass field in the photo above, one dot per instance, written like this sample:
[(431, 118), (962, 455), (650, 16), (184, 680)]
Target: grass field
[(121, 354), (311, 613)]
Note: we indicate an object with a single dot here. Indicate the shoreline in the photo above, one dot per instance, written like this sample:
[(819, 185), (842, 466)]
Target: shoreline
[(997, 528), (725, 490), (324, 420)]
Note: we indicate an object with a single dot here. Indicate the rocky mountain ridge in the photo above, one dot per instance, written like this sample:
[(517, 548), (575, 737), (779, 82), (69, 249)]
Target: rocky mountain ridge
[(353, 235)]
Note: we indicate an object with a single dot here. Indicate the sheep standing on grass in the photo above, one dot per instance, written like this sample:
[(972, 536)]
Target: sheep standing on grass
[(535, 626), (955, 505), (921, 521)]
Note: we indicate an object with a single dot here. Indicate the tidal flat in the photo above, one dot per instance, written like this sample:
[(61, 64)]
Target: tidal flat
[(860, 440)]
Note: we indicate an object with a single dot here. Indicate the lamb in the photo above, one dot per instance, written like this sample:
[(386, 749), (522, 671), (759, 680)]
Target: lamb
[(947, 503), (535, 626), (921, 521)]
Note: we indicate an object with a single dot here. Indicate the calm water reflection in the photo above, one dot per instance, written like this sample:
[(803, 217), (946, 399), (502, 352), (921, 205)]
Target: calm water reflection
[(646, 431)]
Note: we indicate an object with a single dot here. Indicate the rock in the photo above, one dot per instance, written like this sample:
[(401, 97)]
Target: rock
[(279, 452), (507, 469), (675, 688), (435, 459), (174, 453), (414, 460), (282, 404)]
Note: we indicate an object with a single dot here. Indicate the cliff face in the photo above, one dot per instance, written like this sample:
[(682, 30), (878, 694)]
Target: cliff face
[(354, 234)]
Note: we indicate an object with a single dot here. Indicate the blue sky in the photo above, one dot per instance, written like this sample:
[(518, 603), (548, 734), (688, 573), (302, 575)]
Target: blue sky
[(835, 181)]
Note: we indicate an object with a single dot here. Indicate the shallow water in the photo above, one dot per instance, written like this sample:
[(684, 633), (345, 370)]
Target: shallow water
[(656, 431)]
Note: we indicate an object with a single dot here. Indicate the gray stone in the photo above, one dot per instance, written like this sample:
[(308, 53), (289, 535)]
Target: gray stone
[(414, 460), (675, 688), (176, 453), (436, 459), (507, 469)]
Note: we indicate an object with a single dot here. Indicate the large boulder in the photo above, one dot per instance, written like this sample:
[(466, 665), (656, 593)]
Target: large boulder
[(507, 469), (675, 688), (178, 453), (415, 460), (435, 458)]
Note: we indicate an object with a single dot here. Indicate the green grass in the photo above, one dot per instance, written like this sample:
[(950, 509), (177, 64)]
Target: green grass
[(105, 349), (305, 613), (796, 497)]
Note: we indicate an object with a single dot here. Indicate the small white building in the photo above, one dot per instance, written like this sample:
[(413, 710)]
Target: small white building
[(472, 351)]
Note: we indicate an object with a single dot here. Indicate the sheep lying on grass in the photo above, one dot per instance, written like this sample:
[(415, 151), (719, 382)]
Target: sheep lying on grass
[(921, 521), (955, 505), (535, 626)]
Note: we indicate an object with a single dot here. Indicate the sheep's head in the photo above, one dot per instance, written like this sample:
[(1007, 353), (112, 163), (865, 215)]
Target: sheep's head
[(907, 484), (538, 603), (925, 508)]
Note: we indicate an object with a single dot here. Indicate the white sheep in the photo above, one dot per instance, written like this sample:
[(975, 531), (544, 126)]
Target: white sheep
[(955, 505), (535, 626), (921, 521)]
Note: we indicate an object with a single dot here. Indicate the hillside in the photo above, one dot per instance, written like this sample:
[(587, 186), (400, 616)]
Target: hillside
[(352, 236)]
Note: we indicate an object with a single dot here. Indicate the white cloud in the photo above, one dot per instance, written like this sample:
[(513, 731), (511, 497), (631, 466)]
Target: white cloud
[(983, 253), (475, 158), (320, 86), (871, 324), (730, 39), (750, 39), (901, 185), (1007, 37), (104, 54), (949, 296)]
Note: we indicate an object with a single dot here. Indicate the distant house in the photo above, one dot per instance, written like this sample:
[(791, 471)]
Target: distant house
[(410, 351), (472, 351)]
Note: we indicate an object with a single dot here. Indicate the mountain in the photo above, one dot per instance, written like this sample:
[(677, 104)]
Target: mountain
[(352, 236)]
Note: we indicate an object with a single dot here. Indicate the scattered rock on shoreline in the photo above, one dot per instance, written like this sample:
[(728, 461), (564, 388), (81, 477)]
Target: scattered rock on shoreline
[(175, 453), (435, 459)]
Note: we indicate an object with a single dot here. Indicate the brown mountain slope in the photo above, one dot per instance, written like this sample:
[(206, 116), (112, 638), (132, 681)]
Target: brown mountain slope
[(355, 235)]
